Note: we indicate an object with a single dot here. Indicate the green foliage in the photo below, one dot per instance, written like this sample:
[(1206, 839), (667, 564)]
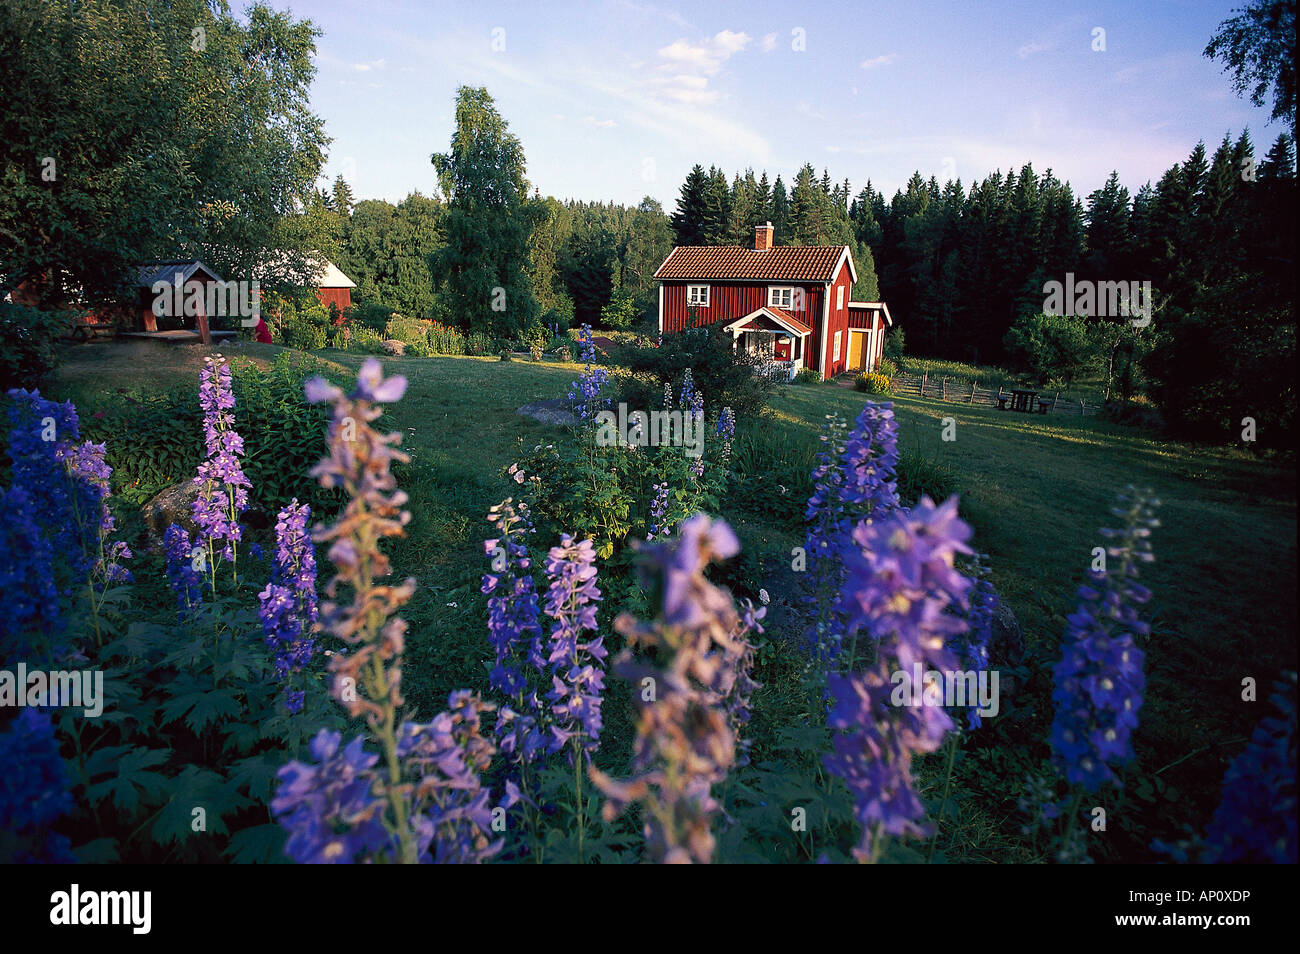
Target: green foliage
[(871, 383), (1052, 347), (444, 340), (478, 343), (894, 343), (412, 332), (487, 231), (29, 337), (888, 368), (620, 313), (807, 376), (221, 168)]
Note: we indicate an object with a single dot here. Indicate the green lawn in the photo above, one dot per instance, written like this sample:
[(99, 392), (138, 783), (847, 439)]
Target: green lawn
[(1035, 489)]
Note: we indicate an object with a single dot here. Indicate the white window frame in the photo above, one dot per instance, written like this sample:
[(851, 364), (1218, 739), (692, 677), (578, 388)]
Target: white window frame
[(839, 297), (701, 302), (839, 336), (775, 291)]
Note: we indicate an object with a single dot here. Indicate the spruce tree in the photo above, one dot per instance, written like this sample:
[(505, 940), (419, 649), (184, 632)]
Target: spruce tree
[(689, 219)]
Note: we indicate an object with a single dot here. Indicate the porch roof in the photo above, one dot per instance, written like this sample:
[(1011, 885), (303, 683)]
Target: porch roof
[(768, 318)]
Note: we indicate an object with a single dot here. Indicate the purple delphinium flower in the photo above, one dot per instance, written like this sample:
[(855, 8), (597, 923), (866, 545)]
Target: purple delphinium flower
[(685, 742), (1099, 680), (287, 606), (91, 475), (659, 525), (186, 582), (686, 397), (870, 462), (223, 487), (900, 590), (577, 665), (328, 806), (451, 809), (585, 394), (33, 791), (1256, 821)]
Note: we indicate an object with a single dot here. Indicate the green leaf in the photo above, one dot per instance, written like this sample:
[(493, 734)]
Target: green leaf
[(261, 844)]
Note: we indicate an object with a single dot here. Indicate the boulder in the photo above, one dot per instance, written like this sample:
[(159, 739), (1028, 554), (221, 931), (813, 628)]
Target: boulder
[(394, 347), (1007, 643), (173, 505), (555, 412)]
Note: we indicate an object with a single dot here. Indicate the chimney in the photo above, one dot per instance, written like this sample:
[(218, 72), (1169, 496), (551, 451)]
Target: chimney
[(763, 237)]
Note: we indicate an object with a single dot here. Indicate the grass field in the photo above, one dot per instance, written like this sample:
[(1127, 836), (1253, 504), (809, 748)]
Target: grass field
[(1035, 489)]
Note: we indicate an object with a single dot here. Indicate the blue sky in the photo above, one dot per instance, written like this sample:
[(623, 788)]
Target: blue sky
[(617, 99)]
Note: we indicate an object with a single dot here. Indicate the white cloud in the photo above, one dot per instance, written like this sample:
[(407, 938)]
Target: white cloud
[(878, 61), (1029, 49), (768, 43), (708, 57), (367, 67), (602, 123)]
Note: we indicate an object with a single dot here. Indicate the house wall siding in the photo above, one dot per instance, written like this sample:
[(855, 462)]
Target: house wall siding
[(731, 300), (837, 319)]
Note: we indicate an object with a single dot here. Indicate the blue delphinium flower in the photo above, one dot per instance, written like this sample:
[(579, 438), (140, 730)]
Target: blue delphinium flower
[(973, 645), (33, 791), (1256, 821), (726, 430), (870, 462), (1099, 680), (186, 582), (328, 807), (577, 664), (900, 592), (585, 394), (512, 600), (91, 474), (31, 598)]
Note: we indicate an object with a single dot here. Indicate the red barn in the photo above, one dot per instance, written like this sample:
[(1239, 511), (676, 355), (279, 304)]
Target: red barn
[(790, 303), (332, 286)]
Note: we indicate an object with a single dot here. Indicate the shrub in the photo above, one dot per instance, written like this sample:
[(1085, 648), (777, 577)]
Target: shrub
[(807, 376), (620, 313), (365, 340), (444, 339), (303, 334), (872, 383), (370, 314), (1051, 347), (726, 376), (29, 336), (478, 343), (893, 347), (888, 368), (411, 332)]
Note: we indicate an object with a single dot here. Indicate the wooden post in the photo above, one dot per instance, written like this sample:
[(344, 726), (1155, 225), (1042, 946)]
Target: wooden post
[(924, 377), (1081, 413), (943, 390), (1000, 398), (201, 322), (1054, 400), (972, 392)]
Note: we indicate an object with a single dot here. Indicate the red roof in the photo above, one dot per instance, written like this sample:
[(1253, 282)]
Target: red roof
[(785, 263), (791, 320)]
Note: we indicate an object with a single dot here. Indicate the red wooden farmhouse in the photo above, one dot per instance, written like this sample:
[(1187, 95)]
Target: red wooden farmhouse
[(790, 303)]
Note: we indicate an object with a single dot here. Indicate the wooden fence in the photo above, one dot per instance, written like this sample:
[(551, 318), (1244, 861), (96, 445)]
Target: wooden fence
[(959, 392)]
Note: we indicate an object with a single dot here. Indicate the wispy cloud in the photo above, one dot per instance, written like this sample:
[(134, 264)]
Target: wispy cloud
[(657, 12), (707, 57), (768, 43), (878, 61), (602, 123), (367, 67)]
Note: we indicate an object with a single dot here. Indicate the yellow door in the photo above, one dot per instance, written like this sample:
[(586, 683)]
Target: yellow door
[(856, 350)]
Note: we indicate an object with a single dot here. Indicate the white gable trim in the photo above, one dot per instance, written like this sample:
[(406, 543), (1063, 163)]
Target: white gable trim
[(736, 329), (826, 325), (844, 255)]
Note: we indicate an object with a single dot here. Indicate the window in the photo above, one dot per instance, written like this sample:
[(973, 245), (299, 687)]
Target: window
[(838, 336), (780, 296), (697, 296), (839, 297)]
